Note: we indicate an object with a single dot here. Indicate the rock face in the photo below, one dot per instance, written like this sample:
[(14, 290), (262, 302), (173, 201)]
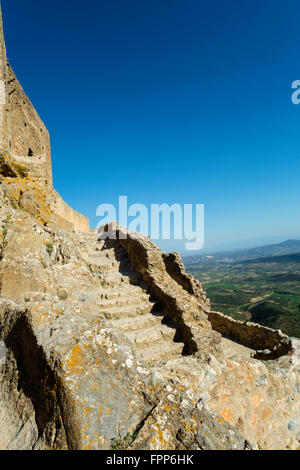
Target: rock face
[(110, 343)]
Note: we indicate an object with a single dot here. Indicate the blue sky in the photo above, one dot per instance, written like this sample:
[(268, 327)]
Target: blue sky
[(167, 101)]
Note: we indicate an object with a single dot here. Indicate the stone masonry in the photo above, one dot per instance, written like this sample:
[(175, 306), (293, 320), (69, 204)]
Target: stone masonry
[(25, 142)]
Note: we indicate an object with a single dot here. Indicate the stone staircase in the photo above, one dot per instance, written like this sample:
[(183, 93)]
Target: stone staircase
[(126, 302)]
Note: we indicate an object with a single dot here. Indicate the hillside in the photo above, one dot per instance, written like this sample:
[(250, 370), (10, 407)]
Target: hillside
[(241, 289), (278, 249), (279, 259)]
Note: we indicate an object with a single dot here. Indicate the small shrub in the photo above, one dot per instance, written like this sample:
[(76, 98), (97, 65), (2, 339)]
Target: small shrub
[(49, 248), (123, 444), (63, 296)]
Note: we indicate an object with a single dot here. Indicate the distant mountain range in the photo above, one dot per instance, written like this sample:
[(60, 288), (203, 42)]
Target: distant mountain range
[(291, 258), (288, 247)]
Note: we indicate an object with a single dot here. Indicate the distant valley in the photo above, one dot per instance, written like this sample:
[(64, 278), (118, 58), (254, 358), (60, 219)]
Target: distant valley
[(260, 284)]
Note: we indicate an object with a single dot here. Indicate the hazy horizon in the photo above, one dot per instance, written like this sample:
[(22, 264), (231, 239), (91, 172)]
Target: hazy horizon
[(230, 246)]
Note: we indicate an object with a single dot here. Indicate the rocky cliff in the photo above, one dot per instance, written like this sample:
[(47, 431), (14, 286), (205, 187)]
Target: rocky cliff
[(110, 344)]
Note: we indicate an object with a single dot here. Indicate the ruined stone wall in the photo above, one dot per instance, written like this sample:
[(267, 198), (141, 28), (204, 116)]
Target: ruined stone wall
[(253, 335), (60, 207), (177, 271), (29, 139), (25, 150), (3, 99)]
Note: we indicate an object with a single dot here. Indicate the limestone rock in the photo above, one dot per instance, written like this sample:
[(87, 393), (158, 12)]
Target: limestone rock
[(110, 343)]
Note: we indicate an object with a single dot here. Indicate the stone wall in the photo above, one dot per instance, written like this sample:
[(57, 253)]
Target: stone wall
[(25, 147), (177, 271), (61, 208), (29, 137), (269, 343), (3, 99), (30, 147)]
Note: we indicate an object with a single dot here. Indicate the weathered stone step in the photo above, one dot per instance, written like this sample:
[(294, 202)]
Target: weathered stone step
[(95, 252), (111, 279), (88, 238), (101, 264), (136, 323), (161, 352), (126, 290), (130, 311), (150, 336), (107, 253), (125, 301)]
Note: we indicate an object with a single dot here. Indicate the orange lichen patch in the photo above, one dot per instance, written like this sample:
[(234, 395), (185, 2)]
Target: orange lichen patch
[(229, 364), (160, 436), (256, 399), (266, 412), (108, 411), (254, 420), (87, 411), (167, 408), (227, 414), (75, 362), (224, 398), (194, 424), (100, 410), (87, 447)]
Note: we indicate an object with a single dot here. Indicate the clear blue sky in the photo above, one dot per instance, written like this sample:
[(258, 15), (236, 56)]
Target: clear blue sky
[(169, 101)]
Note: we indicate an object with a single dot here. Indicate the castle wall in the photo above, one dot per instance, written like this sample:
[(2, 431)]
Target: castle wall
[(25, 143), (3, 110), (29, 137), (61, 208)]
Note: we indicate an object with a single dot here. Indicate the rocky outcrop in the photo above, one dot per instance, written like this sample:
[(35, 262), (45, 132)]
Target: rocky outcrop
[(87, 315), (110, 344)]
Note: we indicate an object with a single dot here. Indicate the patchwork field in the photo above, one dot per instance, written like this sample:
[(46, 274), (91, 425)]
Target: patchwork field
[(265, 290)]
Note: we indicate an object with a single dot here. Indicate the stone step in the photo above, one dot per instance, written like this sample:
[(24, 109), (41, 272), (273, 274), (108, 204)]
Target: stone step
[(161, 352), (137, 323), (95, 252), (101, 264), (87, 238), (107, 253), (151, 336), (111, 279), (125, 290), (126, 301), (128, 311)]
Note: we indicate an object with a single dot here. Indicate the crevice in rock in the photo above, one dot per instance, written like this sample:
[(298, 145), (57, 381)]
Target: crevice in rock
[(38, 381)]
